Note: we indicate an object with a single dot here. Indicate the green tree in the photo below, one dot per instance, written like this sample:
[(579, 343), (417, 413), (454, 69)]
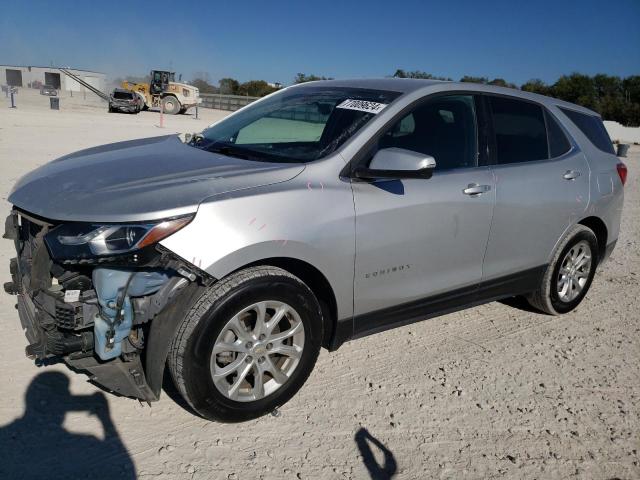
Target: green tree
[(501, 82), (229, 86), (255, 88), (631, 89), (417, 74), (467, 78), (303, 78), (204, 86), (631, 97), (607, 86), (536, 86), (576, 88)]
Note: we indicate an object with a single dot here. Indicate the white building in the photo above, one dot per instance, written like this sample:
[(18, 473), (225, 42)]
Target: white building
[(34, 77)]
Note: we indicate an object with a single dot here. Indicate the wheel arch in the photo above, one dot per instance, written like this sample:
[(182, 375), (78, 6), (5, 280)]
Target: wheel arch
[(162, 328), (316, 281), (600, 229)]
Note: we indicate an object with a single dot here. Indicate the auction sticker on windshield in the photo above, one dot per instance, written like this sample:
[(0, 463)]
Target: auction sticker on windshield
[(362, 106)]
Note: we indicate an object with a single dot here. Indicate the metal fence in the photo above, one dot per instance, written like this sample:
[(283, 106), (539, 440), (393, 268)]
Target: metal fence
[(225, 102)]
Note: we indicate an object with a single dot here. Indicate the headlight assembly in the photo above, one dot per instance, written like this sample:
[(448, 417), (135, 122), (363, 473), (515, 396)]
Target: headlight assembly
[(85, 240)]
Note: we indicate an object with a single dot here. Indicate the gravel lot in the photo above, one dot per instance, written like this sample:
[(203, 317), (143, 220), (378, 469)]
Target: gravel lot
[(492, 392)]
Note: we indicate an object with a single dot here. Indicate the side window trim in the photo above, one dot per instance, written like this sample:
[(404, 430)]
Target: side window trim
[(488, 143), (572, 144), (546, 131)]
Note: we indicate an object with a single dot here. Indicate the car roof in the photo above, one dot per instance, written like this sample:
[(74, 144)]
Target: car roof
[(121, 90), (410, 85), (402, 85)]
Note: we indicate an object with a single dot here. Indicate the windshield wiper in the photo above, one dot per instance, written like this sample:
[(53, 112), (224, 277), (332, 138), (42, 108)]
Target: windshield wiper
[(228, 151)]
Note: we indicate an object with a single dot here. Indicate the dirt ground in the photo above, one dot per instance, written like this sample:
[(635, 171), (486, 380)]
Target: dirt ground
[(492, 392)]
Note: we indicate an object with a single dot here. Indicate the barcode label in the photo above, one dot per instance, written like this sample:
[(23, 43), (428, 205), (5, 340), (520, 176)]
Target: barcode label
[(362, 106), (71, 296)]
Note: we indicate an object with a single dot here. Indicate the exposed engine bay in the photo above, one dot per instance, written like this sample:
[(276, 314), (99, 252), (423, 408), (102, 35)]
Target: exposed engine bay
[(88, 299)]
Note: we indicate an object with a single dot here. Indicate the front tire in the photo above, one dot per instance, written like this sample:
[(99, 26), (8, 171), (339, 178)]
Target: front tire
[(570, 273), (247, 345), (171, 105)]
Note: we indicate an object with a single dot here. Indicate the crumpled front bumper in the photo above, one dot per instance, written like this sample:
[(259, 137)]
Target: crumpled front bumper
[(54, 328)]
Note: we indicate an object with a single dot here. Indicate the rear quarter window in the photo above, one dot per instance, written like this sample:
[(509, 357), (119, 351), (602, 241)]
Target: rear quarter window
[(592, 127)]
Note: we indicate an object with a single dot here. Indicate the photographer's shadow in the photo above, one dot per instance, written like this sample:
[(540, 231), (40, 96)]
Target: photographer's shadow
[(37, 445)]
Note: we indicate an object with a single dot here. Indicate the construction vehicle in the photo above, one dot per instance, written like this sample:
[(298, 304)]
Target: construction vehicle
[(164, 92)]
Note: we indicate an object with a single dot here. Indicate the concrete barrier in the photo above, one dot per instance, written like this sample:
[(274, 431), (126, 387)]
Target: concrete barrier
[(225, 102), (622, 134)]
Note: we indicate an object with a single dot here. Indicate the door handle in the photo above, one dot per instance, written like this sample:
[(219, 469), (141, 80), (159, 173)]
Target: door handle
[(571, 175), (474, 189)]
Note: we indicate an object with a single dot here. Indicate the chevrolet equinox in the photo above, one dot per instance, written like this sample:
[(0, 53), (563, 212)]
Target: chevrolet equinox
[(322, 213)]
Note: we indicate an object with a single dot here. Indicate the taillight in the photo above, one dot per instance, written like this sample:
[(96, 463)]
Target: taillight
[(622, 172)]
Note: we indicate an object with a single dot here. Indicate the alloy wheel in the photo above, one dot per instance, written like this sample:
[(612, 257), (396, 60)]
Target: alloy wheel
[(257, 351), (574, 271)]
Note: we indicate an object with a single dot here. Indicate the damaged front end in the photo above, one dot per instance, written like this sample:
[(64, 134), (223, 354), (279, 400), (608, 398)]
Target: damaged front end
[(92, 295)]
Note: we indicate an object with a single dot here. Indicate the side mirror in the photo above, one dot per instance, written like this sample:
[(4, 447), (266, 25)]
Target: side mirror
[(397, 163)]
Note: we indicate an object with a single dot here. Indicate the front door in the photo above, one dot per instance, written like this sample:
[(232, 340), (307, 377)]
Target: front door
[(417, 238)]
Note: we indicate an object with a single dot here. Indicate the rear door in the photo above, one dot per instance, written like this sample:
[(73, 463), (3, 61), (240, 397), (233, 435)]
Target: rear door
[(542, 186)]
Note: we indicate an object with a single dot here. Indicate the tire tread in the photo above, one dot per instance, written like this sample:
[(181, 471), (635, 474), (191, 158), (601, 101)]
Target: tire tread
[(541, 298), (202, 306)]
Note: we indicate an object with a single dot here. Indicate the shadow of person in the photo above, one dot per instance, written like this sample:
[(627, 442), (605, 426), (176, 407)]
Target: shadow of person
[(377, 472), (37, 445)]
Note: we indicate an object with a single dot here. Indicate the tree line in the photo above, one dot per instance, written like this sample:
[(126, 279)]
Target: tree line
[(613, 97), (252, 88)]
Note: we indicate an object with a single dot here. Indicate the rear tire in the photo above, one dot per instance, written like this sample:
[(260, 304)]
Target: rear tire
[(171, 105), (569, 274), (247, 344)]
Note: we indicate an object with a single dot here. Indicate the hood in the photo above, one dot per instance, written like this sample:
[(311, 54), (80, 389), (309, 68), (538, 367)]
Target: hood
[(138, 180)]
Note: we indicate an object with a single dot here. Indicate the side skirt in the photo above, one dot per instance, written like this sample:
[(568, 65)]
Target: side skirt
[(423, 309)]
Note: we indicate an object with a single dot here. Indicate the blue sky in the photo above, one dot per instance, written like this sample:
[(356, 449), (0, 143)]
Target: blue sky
[(343, 39)]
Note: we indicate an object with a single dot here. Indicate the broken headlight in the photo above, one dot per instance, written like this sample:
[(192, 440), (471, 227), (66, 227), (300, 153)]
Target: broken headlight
[(85, 240)]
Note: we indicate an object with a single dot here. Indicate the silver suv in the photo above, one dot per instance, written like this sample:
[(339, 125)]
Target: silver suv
[(323, 213)]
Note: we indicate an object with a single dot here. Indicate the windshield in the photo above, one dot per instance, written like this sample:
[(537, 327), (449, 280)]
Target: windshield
[(123, 95), (297, 125)]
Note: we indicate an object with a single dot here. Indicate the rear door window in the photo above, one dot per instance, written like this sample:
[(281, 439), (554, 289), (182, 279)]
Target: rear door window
[(592, 127), (520, 132)]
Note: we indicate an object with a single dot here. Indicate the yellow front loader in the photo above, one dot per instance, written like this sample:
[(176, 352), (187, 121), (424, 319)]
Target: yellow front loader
[(164, 92)]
